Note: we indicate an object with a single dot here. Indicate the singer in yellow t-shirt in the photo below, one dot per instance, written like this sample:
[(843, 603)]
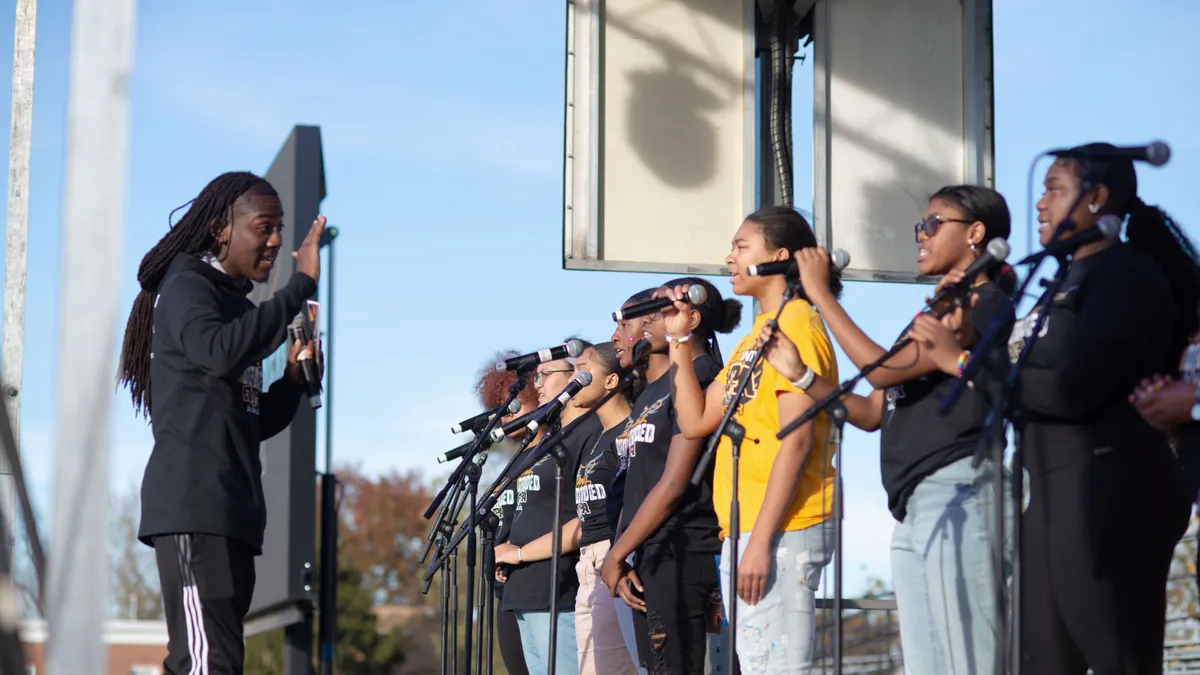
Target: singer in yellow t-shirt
[(758, 413), (786, 488)]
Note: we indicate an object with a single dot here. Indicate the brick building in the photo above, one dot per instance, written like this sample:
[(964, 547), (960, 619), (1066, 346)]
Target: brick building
[(134, 647)]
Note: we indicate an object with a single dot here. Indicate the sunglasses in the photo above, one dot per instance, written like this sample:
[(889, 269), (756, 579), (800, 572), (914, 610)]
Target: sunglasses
[(932, 224)]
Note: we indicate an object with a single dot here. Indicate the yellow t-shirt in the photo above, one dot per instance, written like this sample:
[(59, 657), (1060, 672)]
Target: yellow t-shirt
[(759, 413)]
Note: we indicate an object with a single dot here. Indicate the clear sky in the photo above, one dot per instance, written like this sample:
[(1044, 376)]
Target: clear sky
[(442, 126)]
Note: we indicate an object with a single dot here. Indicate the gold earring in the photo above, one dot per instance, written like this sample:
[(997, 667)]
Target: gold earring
[(1093, 208)]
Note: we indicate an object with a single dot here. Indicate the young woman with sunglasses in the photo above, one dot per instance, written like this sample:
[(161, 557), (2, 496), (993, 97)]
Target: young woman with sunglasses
[(941, 558)]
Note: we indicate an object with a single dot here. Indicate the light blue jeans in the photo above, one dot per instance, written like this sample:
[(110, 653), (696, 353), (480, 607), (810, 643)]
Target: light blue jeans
[(535, 642), (943, 572), (777, 634)]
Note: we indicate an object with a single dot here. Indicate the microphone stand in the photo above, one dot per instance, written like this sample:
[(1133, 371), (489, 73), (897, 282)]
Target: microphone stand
[(489, 526), (549, 445), (736, 433), (558, 453), (1008, 404), (472, 471)]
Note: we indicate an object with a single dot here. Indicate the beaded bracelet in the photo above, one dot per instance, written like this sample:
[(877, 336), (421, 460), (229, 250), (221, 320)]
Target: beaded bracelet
[(680, 340), (962, 361)]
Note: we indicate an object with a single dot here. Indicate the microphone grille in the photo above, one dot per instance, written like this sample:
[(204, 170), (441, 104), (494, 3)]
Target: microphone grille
[(1109, 225), (574, 348), (583, 377), (840, 258), (1158, 153), (998, 248), (697, 295), (641, 350)]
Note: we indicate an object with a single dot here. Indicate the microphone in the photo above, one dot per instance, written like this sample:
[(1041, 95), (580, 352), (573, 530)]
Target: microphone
[(1107, 228), (994, 253), (695, 295), (1156, 153), (582, 379), (571, 348), (839, 257), (450, 455), (512, 426), (301, 330), (641, 351), (476, 423)]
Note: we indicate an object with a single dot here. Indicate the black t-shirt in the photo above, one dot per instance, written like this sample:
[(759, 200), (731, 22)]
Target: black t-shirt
[(528, 585), (648, 439), (504, 508), (597, 466), (915, 439), (1106, 329)]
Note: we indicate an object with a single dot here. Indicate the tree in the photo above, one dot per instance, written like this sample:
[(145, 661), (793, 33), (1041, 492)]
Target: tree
[(383, 531), (361, 649), (136, 593)]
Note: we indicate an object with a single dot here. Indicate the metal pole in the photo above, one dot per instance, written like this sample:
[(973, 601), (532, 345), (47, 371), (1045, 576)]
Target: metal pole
[(93, 222), (12, 348), (328, 346), (327, 611)]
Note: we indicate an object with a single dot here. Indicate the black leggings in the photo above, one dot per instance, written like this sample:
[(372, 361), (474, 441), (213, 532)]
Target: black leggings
[(508, 636), (1098, 538), (682, 590)]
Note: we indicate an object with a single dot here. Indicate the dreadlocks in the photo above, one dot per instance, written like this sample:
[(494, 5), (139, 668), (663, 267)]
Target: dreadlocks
[(196, 232)]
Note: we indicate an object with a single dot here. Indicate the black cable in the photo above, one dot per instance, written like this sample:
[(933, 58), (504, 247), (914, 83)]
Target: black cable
[(780, 110)]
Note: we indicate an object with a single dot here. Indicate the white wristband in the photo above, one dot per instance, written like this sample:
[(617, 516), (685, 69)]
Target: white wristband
[(685, 338), (805, 380)]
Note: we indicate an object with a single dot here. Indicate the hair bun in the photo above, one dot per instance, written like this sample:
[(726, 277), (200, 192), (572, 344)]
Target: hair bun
[(731, 315)]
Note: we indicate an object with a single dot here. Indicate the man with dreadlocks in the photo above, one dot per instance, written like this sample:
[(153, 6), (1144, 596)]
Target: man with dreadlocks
[(192, 360)]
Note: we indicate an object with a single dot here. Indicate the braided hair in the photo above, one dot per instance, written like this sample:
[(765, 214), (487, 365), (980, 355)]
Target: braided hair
[(195, 233), (1150, 230)]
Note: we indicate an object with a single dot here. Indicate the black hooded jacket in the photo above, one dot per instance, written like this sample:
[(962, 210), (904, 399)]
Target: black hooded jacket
[(208, 410)]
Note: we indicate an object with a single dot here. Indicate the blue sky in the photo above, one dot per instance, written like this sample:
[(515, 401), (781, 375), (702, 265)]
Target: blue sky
[(442, 126)]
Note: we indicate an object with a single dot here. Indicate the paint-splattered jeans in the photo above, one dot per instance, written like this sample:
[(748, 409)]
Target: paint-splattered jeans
[(777, 634), (943, 573)]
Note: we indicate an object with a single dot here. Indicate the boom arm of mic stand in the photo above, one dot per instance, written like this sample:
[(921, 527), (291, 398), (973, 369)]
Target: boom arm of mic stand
[(828, 402), (482, 440)]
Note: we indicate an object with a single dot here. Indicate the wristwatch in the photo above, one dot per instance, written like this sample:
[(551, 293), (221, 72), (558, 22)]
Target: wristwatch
[(809, 375), (1196, 405)]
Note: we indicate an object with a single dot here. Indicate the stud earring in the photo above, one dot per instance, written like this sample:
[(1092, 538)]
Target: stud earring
[(1093, 208), (974, 250)]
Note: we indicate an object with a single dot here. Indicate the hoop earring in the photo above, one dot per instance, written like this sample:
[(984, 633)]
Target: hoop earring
[(1093, 208)]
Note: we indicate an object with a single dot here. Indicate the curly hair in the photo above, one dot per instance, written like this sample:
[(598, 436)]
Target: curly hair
[(492, 386)]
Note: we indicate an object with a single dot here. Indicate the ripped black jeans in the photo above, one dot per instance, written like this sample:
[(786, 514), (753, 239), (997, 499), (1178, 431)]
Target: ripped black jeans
[(682, 593)]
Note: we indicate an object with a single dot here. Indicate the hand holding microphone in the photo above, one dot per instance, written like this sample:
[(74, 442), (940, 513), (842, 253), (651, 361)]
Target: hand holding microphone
[(306, 363)]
